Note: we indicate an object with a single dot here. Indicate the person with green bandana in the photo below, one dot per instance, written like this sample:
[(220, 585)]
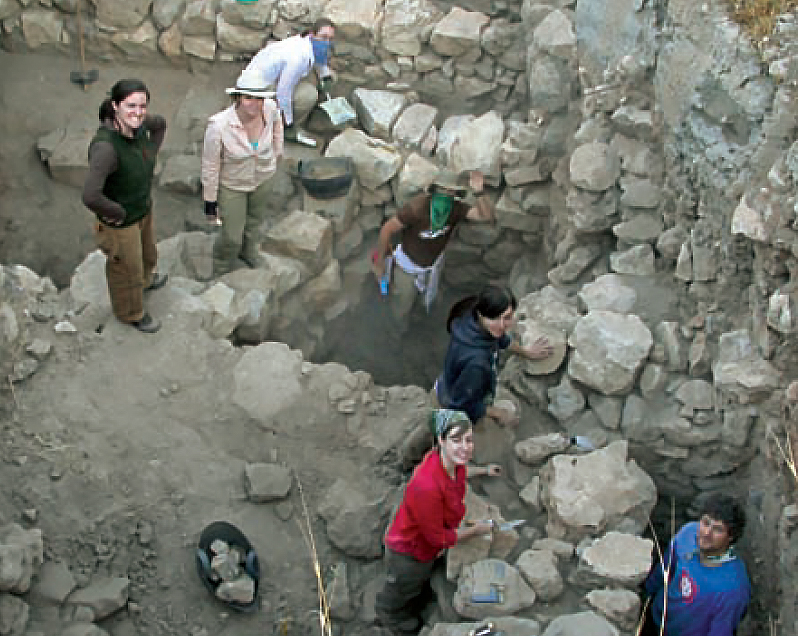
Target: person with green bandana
[(425, 225)]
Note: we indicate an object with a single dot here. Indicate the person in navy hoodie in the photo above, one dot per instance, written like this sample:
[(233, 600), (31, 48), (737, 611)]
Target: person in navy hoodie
[(479, 328), (708, 589)]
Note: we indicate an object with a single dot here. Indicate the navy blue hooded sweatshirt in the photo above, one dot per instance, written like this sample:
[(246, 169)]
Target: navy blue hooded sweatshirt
[(468, 382)]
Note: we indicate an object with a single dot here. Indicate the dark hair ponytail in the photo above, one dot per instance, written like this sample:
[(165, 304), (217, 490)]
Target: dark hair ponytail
[(491, 303), (120, 92)]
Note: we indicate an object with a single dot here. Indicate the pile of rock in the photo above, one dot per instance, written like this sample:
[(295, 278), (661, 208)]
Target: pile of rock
[(24, 572), (28, 302), (228, 573)]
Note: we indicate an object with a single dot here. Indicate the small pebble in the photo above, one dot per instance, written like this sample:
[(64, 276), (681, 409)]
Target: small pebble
[(30, 515), (83, 614), (65, 327)]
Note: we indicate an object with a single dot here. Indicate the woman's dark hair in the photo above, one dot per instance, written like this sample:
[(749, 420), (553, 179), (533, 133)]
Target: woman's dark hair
[(318, 25), (119, 93), (724, 508), (458, 428), (491, 303)]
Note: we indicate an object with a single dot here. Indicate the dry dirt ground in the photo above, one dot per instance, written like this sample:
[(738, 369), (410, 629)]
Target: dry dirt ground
[(118, 443)]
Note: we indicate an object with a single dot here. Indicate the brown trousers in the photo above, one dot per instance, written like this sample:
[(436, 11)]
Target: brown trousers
[(131, 256)]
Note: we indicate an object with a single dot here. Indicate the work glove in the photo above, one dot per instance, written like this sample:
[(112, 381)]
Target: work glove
[(325, 85)]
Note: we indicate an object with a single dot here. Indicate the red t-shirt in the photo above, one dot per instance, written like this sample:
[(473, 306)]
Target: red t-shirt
[(431, 511)]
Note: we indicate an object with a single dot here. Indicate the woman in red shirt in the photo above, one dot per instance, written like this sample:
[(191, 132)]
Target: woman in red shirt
[(428, 520)]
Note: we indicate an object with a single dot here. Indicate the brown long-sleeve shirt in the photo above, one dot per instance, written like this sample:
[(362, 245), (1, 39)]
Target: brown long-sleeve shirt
[(103, 162)]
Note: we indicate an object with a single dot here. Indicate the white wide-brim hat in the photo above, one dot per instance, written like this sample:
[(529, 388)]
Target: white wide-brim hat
[(251, 83)]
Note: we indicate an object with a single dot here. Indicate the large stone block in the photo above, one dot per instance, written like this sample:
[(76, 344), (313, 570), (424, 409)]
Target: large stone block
[(272, 365), (609, 350), (595, 493), (615, 560), (354, 19), (459, 32), (375, 161), (305, 236), (378, 110), (404, 25), (122, 15)]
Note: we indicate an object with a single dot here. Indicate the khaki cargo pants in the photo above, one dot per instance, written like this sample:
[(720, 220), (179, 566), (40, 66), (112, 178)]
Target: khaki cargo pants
[(131, 257)]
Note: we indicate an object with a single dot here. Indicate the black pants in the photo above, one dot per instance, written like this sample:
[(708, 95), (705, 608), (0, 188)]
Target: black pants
[(405, 592)]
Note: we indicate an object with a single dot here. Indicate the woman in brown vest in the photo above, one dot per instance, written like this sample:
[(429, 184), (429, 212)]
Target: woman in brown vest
[(118, 190)]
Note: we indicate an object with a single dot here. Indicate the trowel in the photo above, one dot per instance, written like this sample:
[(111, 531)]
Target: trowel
[(509, 525)]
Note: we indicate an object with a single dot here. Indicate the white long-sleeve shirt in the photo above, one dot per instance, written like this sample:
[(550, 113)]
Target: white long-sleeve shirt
[(229, 158), (285, 63)]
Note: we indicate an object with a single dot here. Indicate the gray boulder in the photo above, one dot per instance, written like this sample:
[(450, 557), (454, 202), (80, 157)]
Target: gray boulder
[(355, 519), (595, 493), (609, 350)]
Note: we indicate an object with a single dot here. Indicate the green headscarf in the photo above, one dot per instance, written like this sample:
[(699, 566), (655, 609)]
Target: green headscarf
[(442, 420), (440, 206)]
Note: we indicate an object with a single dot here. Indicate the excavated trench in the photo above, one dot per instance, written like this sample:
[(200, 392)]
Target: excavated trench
[(359, 338)]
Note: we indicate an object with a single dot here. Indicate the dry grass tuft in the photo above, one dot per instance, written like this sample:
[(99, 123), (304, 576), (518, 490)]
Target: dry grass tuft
[(325, 623), (759, 17), (666, 574), (786, 451)]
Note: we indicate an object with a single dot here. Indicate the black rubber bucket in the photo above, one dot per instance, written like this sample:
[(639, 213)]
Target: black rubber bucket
[(327, 177), (233, 537)]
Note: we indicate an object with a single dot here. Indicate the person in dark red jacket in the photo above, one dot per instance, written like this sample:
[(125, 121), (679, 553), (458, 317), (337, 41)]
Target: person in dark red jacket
[(428, 520)]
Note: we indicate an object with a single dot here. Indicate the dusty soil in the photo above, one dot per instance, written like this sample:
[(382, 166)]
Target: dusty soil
[(83, 444)]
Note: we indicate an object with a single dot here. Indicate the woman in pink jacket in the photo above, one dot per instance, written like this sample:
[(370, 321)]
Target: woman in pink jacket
[(243, 144)]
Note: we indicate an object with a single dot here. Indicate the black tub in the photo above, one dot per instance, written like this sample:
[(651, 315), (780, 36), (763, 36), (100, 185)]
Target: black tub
[(231, 535), (327, 177)]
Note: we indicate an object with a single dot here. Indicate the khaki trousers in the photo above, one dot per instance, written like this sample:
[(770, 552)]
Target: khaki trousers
[(131, 256), (242, 214), (402, 294)]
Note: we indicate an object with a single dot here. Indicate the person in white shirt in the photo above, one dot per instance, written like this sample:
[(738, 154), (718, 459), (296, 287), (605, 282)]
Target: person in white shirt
[(243, 144), (286, 62)]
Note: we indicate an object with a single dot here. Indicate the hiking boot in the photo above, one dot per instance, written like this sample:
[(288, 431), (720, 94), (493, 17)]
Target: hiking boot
[(147, 324), (158, 281)]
